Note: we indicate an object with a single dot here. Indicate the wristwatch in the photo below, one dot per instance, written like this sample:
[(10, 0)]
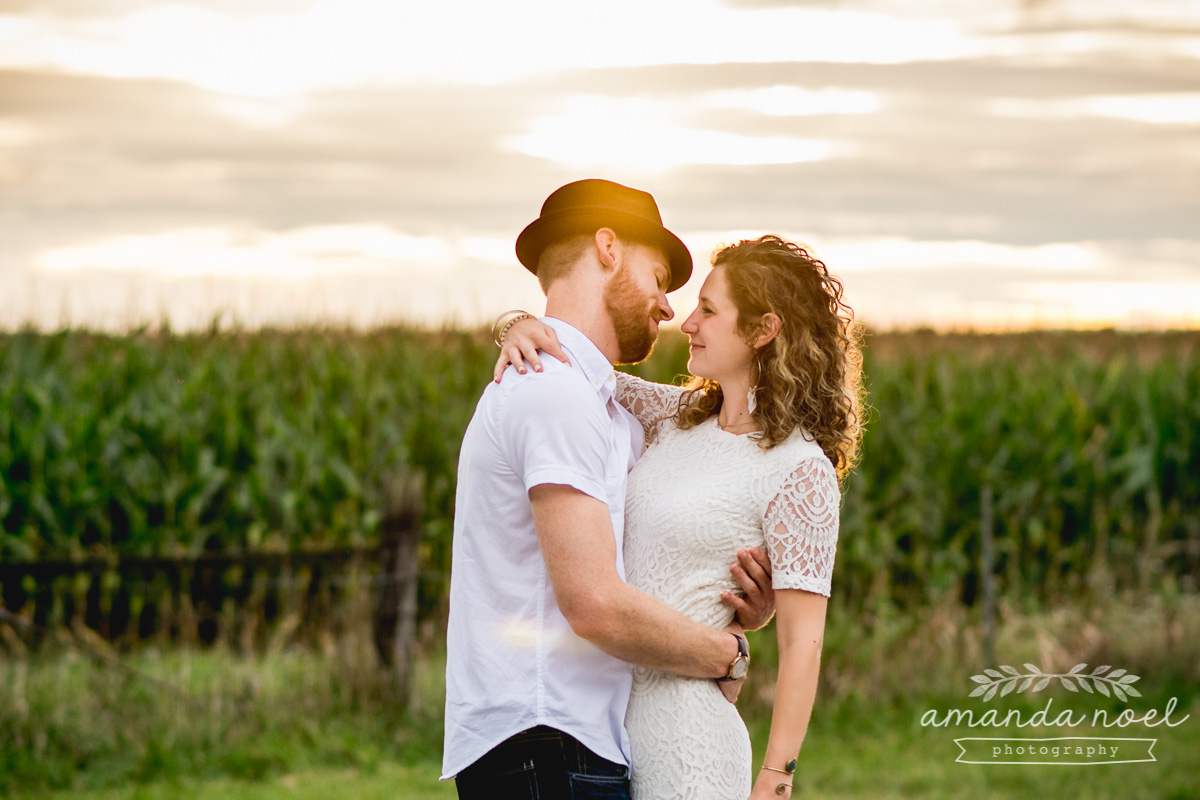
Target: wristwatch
[(740, 663)]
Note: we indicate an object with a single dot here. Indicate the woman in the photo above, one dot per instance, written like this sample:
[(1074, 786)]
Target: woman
[(749, 453)]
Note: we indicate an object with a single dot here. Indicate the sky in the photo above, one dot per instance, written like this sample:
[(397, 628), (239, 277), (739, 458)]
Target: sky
[(998, 164)]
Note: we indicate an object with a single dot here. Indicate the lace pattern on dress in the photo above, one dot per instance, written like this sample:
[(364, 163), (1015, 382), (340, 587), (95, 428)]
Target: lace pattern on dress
[(652, 403), (695, 498), (801, 528)]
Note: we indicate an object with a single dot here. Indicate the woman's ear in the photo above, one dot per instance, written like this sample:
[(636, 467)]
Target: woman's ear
[(768, 328)]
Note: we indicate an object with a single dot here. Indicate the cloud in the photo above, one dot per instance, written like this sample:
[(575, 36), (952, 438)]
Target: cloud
[(279, 47), (1004, 16), (154, 148), (89, 157), (641, 133), (289, 255), (1071, 76), (1073, 283), (981, 176), (78, 9)]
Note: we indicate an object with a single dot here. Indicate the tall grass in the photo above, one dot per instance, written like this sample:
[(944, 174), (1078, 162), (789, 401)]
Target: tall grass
[(1090, 442), (68, 721), (161, 443)]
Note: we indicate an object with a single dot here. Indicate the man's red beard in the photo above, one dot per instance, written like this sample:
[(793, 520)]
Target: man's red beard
[(627, 307)]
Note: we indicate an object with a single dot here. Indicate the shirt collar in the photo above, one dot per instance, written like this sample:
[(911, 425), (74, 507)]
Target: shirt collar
[(583, 352)]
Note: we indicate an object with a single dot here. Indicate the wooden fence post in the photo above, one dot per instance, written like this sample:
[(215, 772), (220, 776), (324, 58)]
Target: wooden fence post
[(396, 611), (987, 576)]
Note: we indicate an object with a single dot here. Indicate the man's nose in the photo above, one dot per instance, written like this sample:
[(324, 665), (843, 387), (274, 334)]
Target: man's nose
[(665, 309)]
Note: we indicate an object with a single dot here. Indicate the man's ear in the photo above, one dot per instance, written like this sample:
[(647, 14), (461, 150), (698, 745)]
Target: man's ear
[(607, 246), (768, 328)]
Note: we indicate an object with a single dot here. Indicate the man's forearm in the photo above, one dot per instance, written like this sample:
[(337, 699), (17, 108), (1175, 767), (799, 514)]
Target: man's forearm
[(637, 628), (579, 549)]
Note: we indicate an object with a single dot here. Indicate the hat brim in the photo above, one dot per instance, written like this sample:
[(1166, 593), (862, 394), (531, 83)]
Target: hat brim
[(545, 231)]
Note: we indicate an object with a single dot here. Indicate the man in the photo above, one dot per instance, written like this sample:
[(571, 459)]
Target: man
[(542, 627)]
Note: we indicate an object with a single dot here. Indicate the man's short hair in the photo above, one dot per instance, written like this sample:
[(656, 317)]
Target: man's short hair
[(560, 258)]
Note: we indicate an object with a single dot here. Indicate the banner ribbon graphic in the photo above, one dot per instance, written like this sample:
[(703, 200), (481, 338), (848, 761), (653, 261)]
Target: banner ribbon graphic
[(1066, 750)]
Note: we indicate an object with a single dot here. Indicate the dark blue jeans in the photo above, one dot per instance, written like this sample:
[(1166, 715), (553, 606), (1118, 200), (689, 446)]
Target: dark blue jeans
[(543, 764)]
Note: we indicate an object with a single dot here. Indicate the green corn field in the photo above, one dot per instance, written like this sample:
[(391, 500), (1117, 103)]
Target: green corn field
[(160, 443)]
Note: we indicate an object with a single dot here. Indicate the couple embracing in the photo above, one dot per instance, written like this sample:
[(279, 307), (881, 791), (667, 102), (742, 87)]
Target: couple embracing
[(595, 640)]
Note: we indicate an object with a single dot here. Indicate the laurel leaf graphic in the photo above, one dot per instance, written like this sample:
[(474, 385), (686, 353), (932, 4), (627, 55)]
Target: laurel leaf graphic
[(1116, 673), (1083, 684), (1129, 679), (1009, 670), (1117, 691), (981, 679), (1103, 687), (1067, 682), (1008, 687), (991, 692), (993, 673), (1076, 668), (978, 690), (1132, 692), (1101, 670), (1034, 670), (1041, 684), (1025, 684)]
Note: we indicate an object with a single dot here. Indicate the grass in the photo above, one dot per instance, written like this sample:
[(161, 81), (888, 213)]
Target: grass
[(271, 440), (79, 724), (884, 752), (386, 782), (178, 444), (876, 751), (304, 724)]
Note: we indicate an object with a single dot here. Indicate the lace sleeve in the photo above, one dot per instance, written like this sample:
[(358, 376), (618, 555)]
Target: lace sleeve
[(801, 527), (650, 402)]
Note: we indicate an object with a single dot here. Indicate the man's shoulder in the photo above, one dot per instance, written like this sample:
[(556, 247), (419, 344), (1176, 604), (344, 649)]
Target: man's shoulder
[(558, 386), (554, 377)]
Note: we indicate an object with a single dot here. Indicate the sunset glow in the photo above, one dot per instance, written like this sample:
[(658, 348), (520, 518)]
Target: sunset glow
[(1182, 108), (783, 101), (997, 163), (336, 43)]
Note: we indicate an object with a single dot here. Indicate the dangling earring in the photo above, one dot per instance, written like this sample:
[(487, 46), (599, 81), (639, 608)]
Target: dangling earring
[(751, 394)]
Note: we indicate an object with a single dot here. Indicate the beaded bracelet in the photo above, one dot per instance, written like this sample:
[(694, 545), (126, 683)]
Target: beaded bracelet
[(506, 321)]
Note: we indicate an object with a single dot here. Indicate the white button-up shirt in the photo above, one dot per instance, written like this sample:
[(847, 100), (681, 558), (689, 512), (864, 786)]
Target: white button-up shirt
[(513, 661)]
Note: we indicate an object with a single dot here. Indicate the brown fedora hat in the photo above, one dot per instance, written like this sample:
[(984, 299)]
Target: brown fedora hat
[(588, 205)]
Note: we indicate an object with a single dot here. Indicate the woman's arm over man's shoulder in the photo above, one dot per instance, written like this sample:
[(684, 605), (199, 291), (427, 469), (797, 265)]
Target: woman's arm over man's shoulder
[(650, 402)]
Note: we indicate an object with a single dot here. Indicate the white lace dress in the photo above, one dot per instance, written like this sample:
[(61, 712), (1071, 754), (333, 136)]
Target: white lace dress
[(694, 499)]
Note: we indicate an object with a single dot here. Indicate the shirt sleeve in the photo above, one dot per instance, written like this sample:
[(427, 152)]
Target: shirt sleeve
[(554, 429), (650, 402), (801, 528)]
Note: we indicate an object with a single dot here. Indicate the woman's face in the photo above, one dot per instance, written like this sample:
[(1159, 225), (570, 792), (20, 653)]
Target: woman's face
[(718, 351)]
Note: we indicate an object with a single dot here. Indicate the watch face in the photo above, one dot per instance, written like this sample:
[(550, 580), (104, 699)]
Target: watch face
[(739, 668)]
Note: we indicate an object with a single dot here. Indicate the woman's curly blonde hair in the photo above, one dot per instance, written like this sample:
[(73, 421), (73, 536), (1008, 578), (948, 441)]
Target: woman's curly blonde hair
[(810, 374)]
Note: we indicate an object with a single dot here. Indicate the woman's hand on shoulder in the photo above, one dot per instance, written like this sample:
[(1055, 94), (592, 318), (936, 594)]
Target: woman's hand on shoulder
[(522, 342)]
